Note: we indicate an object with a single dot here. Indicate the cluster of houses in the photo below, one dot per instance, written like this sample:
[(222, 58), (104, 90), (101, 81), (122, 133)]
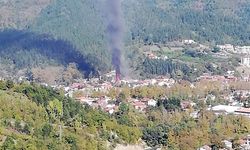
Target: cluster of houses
[(227, 109), (235, 49), (108, 105), (244, 51), (160, 81), (235, 106), (221, 78), (244, 144), (227, 78), (105, 85)]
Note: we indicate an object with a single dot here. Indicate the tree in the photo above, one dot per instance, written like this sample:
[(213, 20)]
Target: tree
[(215, 49), (157, 135), (236, 143), (172, 104), (71, 73), (121, 97), (46, 130), (8, 143), (18, 126), (55, 109), (9, 84), (2, 85), (247, 102), (26, 129), (124, 108)]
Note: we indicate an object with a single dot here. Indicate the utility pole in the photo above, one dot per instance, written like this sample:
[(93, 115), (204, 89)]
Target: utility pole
[(60, 132)]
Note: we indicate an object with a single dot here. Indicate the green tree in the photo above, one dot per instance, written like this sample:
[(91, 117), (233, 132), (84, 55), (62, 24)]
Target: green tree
[(9, 84), (171, 104), (156, 135), (247, 102), (55, 109), (2, 85), (215, 49), (8, 144), (26, 128), (46, 130)]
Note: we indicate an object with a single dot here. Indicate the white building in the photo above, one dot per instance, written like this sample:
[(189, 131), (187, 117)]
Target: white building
[(246, 144), (224, 109), (245, 61), (226, 47), (188, 41), (243, 49), (152, 103), (228, 144), (205, 147)]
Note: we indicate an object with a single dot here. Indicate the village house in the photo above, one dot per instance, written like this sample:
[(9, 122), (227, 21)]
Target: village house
[(243, 49), (148, 101), (226, 47), (139, 105), (152, 102), (205, 147), (245, 61), (86, 100), (111, 108), (243, 111), (151, 55), (210, 97), (242, 93), (225, 79), (195, 114), (228, 144), (245, 143), (236, 110), (224, 109), (188, 42), (76, 86), (185, 105)]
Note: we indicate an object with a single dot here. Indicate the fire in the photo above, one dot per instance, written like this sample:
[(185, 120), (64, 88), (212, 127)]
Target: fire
[(117, 77)]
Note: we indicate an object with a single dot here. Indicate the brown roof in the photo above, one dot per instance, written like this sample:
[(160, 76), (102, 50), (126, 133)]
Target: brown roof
[(243, 110), (139, 104)]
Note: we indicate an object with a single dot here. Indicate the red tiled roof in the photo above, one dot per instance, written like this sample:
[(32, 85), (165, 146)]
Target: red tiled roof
[(243, 110), (139, 104)]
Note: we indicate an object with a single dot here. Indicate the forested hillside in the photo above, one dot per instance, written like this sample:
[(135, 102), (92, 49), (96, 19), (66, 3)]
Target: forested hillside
[(82, 23), (222, 21)]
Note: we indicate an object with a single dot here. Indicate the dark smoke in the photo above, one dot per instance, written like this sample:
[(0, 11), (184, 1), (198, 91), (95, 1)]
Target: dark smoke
[(115, 32)]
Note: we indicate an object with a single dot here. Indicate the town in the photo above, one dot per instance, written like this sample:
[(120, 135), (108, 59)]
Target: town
[(227, 93), (223, 95)]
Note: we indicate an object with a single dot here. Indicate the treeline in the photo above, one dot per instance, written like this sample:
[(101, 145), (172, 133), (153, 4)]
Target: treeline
[(204, 21), (175, 69)]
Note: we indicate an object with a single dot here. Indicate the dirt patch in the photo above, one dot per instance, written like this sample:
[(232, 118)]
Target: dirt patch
[(129, 147)]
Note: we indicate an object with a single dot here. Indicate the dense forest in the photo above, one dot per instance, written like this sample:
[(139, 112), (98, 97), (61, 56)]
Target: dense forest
[(82, 23), (26, 50)]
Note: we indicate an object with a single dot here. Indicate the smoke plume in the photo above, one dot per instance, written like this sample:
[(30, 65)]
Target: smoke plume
[(115, 32)]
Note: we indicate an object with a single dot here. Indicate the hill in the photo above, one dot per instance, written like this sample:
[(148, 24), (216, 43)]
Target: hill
[(36, 117), (82, 23)]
